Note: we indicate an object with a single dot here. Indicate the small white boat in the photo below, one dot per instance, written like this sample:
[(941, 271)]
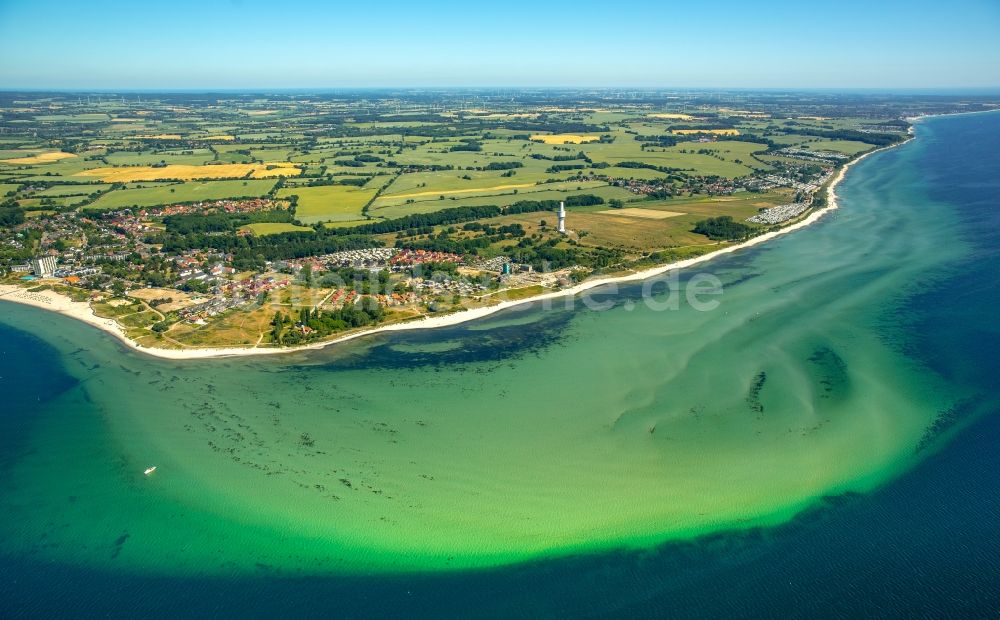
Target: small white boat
[(150, 470)]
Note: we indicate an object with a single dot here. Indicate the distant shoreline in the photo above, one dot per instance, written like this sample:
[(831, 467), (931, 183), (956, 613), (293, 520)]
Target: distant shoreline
[(920, 117), (56, 302)]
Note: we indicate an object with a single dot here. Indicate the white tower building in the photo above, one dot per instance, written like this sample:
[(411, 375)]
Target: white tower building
[(562, 217), (43, 266)]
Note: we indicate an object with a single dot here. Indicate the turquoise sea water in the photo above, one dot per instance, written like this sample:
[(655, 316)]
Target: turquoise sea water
[(812, 443)]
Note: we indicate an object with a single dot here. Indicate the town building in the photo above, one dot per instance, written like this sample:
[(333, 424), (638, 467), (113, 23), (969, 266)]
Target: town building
[(43, 266)]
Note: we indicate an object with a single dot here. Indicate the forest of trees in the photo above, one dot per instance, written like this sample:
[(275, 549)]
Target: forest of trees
[(187, 223), (642, 164), (11, 214), (723, 228), (876, 139), (287, 329), (658, 139), (503, 165), (578, 155), (468, 144), (544, 255), (564, 167)]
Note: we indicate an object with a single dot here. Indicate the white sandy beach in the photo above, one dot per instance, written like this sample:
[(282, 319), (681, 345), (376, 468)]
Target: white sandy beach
[(55, 302)]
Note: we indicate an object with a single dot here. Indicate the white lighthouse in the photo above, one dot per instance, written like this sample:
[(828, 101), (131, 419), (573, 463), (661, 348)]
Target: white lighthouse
[(562, 217)]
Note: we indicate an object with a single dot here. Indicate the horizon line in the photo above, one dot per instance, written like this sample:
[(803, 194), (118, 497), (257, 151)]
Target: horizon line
[(389, 87)]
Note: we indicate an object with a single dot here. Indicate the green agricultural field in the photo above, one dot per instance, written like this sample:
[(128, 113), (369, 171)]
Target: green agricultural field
[(142, 184), (549, 191), (326, 203), (6, 188), (273, 228), (787, 160), (271, 154), (183, 192), (633, 173), (848, 147), (63, 169), (422, 185), (18, 153), (378, 181), (195, 157), (789, 139), (504, 194), (72, 190), (39, 213), (233, 157), (73, 118), (724, 158)]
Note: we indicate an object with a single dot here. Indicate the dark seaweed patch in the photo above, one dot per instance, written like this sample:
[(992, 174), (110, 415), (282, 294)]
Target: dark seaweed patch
[(829, 371), (947, 420), (119, 542), (499, 344), (753, 395)]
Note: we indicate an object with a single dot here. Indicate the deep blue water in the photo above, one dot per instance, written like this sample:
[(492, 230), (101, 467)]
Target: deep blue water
[(926, 545)]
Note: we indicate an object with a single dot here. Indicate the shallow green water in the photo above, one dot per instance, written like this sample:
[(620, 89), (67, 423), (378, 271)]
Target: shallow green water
[(537, 432)]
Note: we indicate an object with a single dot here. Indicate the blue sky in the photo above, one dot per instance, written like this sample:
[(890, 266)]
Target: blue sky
[(295, 43)]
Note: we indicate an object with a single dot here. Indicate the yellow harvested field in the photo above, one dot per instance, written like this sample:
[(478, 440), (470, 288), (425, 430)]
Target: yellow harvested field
[(649, 214), (41, 158), (666, 116), (222, 138), (564, 138), (462, 191), (187, 173), (721, 132), (162, 136), (260, 112)]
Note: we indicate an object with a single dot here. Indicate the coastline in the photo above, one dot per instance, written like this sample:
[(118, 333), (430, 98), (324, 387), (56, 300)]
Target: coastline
[(56, 302), (920, 117)]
